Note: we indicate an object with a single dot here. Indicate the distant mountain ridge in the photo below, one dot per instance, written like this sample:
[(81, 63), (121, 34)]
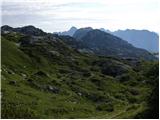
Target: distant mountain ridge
[(139, 38), (90, 40), (70, 32)]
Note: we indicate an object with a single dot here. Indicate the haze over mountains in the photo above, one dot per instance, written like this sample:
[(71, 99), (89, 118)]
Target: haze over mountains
[(138, 38)]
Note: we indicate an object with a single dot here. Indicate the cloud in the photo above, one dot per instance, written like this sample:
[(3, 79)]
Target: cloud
[(55, 15)]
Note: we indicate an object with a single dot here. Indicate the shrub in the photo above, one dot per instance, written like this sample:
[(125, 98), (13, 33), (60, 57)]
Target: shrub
[(98, 97), (132, 99), (120, 96), (124, 78), (132, 107), (105, 107), (94, 68), (86, 74), (134, 91), (64, 71)]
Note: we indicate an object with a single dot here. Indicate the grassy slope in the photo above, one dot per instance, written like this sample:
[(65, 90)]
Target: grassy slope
[(80, 95)]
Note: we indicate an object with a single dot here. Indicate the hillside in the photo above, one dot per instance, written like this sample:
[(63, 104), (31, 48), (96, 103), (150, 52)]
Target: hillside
[(43, 76), (102, 43)]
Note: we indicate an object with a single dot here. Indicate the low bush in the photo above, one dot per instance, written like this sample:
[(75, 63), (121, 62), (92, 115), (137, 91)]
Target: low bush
[(105, 107)]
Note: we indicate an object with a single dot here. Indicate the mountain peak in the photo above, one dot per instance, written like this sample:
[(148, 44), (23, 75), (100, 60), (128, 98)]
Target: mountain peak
[(28, 30), (6, 28), (81, 32), (30, 26), (73, 28)]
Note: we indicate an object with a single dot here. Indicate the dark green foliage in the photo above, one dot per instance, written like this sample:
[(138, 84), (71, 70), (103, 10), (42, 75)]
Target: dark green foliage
[(132, 99), (17, 111), (154, 103), (134, 91), (98, 97), (132, 107), (14, 37), (124, 77), (152, 73)]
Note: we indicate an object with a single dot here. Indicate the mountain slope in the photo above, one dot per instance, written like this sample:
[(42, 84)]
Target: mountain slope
[(43, 77), (103, 43)]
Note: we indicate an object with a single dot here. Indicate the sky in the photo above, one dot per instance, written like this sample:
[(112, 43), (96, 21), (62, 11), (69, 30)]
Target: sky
[(60, 15)]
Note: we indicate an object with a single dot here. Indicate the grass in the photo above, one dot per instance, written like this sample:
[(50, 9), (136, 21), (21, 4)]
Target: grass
[(84, 90)]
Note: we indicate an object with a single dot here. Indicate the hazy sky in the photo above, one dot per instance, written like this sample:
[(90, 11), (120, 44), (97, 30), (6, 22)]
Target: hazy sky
[(60, 15)]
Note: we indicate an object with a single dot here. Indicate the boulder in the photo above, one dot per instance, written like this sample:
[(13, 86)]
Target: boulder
[(80, 94), (55, 53), (23, 75), (53, 89)]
